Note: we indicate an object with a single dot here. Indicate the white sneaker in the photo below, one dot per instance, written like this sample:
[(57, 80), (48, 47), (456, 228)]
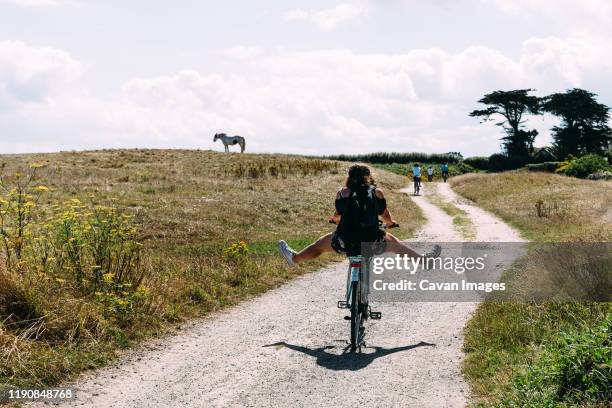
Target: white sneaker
[(286, 252), (435, 252)]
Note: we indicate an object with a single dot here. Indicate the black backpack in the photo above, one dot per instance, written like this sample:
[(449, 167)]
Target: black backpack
[(359, 222)]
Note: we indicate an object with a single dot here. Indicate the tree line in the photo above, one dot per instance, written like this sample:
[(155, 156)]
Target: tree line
[(396, 157), (583, 129)]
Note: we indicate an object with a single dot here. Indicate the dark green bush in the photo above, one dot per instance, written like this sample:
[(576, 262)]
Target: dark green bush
[(478, 162), (576, 369), (501, 162), (388, 158), (586, 165), (544, 154), (498, 162), (464, 168), (608, 155), (549, 167)]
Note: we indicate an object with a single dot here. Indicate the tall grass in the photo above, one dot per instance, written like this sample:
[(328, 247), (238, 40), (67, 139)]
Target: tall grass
[(125, 244), (72, 274), (282, 167), (548, 344)]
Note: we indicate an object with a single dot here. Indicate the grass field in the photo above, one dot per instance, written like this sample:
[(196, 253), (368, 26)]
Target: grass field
[(186, 233), (544, 207), (544, 353)]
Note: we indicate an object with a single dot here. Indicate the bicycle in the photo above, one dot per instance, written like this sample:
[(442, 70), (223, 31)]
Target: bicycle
[(417, 185), (356, 299), (445, 175)]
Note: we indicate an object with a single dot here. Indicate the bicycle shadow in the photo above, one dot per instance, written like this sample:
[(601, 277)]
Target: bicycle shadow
[(346, 360)]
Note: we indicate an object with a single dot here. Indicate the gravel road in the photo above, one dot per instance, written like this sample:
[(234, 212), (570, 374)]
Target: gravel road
[(287, 348)]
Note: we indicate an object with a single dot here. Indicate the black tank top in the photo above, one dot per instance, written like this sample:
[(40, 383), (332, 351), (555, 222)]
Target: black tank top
[(360, 211)]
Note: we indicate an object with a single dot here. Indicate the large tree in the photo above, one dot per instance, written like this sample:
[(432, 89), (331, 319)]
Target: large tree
[(511, 106), (583, 127)]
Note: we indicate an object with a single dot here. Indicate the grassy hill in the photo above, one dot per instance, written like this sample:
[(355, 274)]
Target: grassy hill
[(544, 206), (119, 245), (546, 353)]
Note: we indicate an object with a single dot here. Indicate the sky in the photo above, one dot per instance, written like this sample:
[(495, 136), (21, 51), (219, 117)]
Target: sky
[(305, 77)]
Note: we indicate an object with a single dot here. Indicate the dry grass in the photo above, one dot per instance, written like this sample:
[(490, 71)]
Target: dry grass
[(189, 207), (545, 207), (505, 338)]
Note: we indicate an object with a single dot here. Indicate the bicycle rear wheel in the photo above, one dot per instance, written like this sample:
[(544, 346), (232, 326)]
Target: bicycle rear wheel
[(355, 315)]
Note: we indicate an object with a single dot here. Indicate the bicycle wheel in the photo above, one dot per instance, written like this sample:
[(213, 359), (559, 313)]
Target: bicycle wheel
[(355, 315)]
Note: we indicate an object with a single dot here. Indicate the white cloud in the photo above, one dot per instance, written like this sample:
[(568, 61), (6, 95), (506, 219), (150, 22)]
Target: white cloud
[(329, 19), (29, 73), (35, 3), (568, 12), (242, 52), (302, 102)]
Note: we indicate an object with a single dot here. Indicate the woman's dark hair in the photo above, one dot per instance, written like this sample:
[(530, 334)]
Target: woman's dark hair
[(359, 176)]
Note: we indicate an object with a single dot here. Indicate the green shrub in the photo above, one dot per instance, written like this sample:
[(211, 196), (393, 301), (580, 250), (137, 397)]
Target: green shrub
[(501, 162), (478, 162), (586, 165), (576, 369), (90, 244), (608, 155), (549, 167), (464, 168), (236, 252), (544, 154), (19, 196)]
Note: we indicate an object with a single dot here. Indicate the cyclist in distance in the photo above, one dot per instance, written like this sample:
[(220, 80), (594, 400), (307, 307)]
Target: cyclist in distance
[(430, 172), (444, 169), (359, 206), (416, 177)]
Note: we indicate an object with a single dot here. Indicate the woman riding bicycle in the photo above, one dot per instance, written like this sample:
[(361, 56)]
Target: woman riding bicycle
[(358, 208), (416, 178), (444, 169)]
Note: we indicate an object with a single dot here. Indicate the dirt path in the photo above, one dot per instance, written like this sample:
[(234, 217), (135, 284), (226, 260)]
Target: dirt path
[(286, 348), (489, 228)]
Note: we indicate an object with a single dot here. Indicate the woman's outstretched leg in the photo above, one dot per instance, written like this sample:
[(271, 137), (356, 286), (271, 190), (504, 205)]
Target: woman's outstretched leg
[(324, 244), (312, 251), (397, 247)]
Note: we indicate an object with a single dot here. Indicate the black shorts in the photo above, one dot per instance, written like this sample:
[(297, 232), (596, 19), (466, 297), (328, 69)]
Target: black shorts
[(416, 179), (354, 249)]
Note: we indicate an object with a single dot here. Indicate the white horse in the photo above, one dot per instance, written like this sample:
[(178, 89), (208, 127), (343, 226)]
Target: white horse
[(230, 140)]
